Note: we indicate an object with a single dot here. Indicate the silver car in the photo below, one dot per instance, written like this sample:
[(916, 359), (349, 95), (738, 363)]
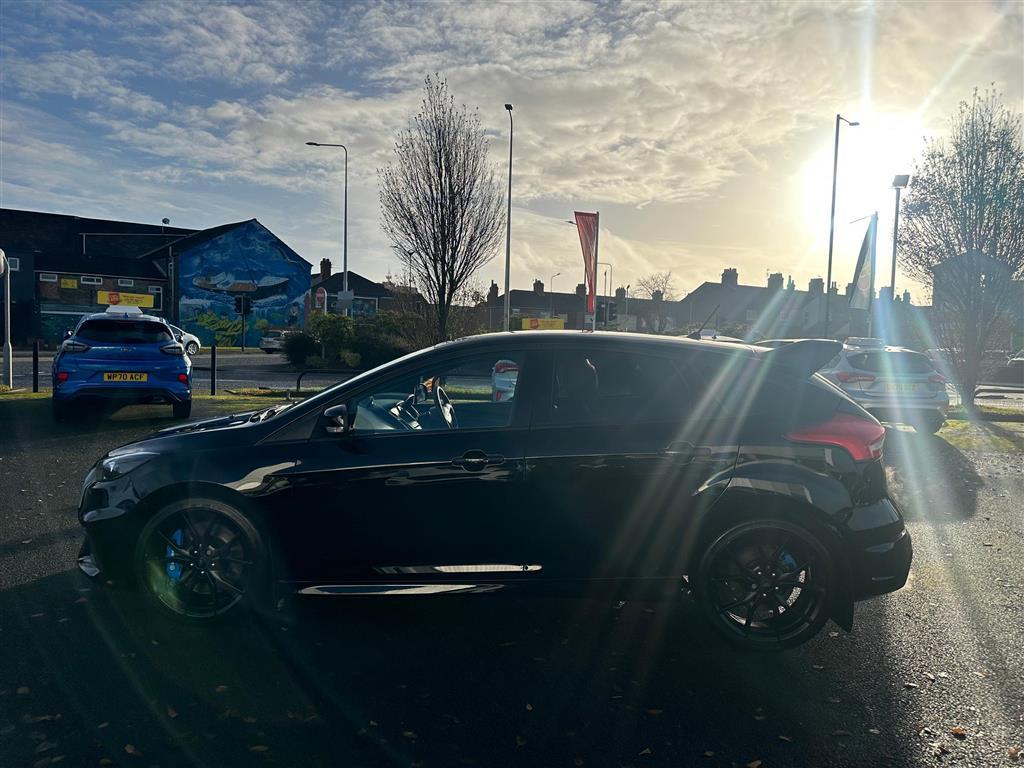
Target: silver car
[(893, 383)]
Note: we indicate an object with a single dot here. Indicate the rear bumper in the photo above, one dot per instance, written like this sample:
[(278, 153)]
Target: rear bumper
[(880, 549), (123, 394)]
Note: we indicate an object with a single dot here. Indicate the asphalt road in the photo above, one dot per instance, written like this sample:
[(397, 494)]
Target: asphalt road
[(88, 678)]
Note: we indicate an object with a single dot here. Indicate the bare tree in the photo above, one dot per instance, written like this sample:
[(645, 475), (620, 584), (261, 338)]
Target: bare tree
[(658, 282), (962, 231), (439, 202), (660, 287)]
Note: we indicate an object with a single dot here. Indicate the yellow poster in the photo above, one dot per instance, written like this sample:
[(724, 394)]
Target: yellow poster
[(543, 323), (124, 299), (68, 282)]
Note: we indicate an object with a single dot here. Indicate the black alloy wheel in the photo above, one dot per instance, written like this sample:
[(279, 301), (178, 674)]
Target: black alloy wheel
[(765, 584), (199, 559)]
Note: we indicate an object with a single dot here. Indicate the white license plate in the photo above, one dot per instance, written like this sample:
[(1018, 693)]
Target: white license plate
[(901, 389)]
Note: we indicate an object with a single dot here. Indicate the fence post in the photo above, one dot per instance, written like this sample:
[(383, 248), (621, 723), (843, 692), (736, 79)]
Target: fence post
[(213, 370), (35, 365)]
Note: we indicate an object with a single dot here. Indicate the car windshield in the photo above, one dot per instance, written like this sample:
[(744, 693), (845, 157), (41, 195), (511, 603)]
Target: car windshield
[(892, 362), (105, 331)]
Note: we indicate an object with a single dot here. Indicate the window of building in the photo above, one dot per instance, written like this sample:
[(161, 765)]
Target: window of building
[(91, 280), (14, 263), (47, 277), (474, 392), (125, 282), (158, 296)]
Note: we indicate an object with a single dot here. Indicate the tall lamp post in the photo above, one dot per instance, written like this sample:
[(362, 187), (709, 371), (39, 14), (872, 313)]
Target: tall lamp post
[(832, 218), (551, 292), (5, 270), (899, 184), (609, 276), (508, 226), (344, 230)]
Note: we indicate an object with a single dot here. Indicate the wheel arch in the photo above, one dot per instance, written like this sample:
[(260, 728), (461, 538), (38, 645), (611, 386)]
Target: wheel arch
[(737, 505)]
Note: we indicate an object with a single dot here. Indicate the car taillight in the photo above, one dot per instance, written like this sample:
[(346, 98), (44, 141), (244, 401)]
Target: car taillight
[(848, 377), (183, 378), (74, 346), (173, 349), (62, 376), (937, 378), (861, 437), (503, 367)]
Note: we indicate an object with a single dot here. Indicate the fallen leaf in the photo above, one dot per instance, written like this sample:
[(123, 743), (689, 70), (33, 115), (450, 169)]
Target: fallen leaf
[(834, 700), (103, 724), (759, 715), (958, 732), (172, 712), (529, 707), (45, 746), (754, 764), (833, 634), (654, 711), (409, 734), (788, 739), (708, 753), (929, 676), (910, 685), (220, 688), (259, 748), (520, 742), (841, 734), (818, 667), (106, 761), (249, 720), (23, 690), (1013, 753), (874, 731), (131, 750), (645, 751), (939, 748)]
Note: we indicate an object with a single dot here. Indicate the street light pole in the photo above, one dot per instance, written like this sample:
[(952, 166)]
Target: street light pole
[(898, 184), (508, 226), (5, 267), (832, 218), (551, 293), (608, 273), (344, 230)]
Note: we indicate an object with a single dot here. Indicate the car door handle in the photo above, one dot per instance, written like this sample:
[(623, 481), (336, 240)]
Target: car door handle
[(685, 452), (474, 461)]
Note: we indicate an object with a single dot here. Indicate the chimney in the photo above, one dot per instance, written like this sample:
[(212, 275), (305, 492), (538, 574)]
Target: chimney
[(730, 277), (658, 295), (492, 293), (581, 290), (849, 290), (538, 287), (906, 297), (325, 268), (775, 281), (816, 287), (833, 289), (620, 293)]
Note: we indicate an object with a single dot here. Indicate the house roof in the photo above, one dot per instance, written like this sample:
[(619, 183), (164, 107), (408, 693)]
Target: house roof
[(356, 282), (62, 243)]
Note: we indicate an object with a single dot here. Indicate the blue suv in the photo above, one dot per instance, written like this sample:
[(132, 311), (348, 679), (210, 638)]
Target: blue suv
[(121, 356)]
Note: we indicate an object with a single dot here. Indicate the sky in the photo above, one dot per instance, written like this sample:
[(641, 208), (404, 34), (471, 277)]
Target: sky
[(701, 132)]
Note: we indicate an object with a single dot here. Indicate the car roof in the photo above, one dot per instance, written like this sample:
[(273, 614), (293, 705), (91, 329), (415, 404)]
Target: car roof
[(561, 338), (126, 316), (848, 348)]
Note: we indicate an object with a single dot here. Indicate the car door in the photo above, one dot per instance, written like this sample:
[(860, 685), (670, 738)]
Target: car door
[(404, 498), (618, 463)]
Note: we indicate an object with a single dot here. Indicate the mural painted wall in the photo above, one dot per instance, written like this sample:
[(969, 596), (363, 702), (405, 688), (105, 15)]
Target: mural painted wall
[(248, 260)]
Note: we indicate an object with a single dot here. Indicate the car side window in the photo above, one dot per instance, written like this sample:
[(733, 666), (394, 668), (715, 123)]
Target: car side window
[(473, 392), (595, 386)]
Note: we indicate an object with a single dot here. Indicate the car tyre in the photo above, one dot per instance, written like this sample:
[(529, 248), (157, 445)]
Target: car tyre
[(192, 348), (61, 411), (269, 351), (764, 584), (199, 560), (929, 424), (182, 410)]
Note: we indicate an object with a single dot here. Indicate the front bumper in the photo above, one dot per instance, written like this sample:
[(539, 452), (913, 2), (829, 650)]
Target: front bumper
[(107, 512), (880, 549)]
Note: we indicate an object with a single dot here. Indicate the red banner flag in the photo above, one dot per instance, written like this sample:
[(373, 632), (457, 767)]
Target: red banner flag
[(587, 224)]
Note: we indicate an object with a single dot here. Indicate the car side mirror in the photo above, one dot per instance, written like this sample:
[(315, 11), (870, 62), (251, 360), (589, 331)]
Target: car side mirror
[(178, 336), (336, 420), (68, 334)]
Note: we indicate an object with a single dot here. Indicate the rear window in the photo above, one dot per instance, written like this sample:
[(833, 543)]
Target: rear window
[(891, 362), (124, 331)]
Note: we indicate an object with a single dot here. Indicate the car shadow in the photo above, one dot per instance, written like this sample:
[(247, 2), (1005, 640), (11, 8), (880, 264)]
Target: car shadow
[(485, 680), (931, 479)]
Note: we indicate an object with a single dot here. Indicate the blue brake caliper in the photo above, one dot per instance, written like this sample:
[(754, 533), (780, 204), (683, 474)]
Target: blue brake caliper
[(787, 560), (173, 567)]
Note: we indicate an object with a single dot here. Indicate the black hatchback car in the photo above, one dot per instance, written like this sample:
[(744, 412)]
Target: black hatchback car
[(607, 464)]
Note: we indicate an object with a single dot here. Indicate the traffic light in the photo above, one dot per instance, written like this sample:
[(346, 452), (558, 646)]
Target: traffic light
[(238, 305), (243, 305)]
